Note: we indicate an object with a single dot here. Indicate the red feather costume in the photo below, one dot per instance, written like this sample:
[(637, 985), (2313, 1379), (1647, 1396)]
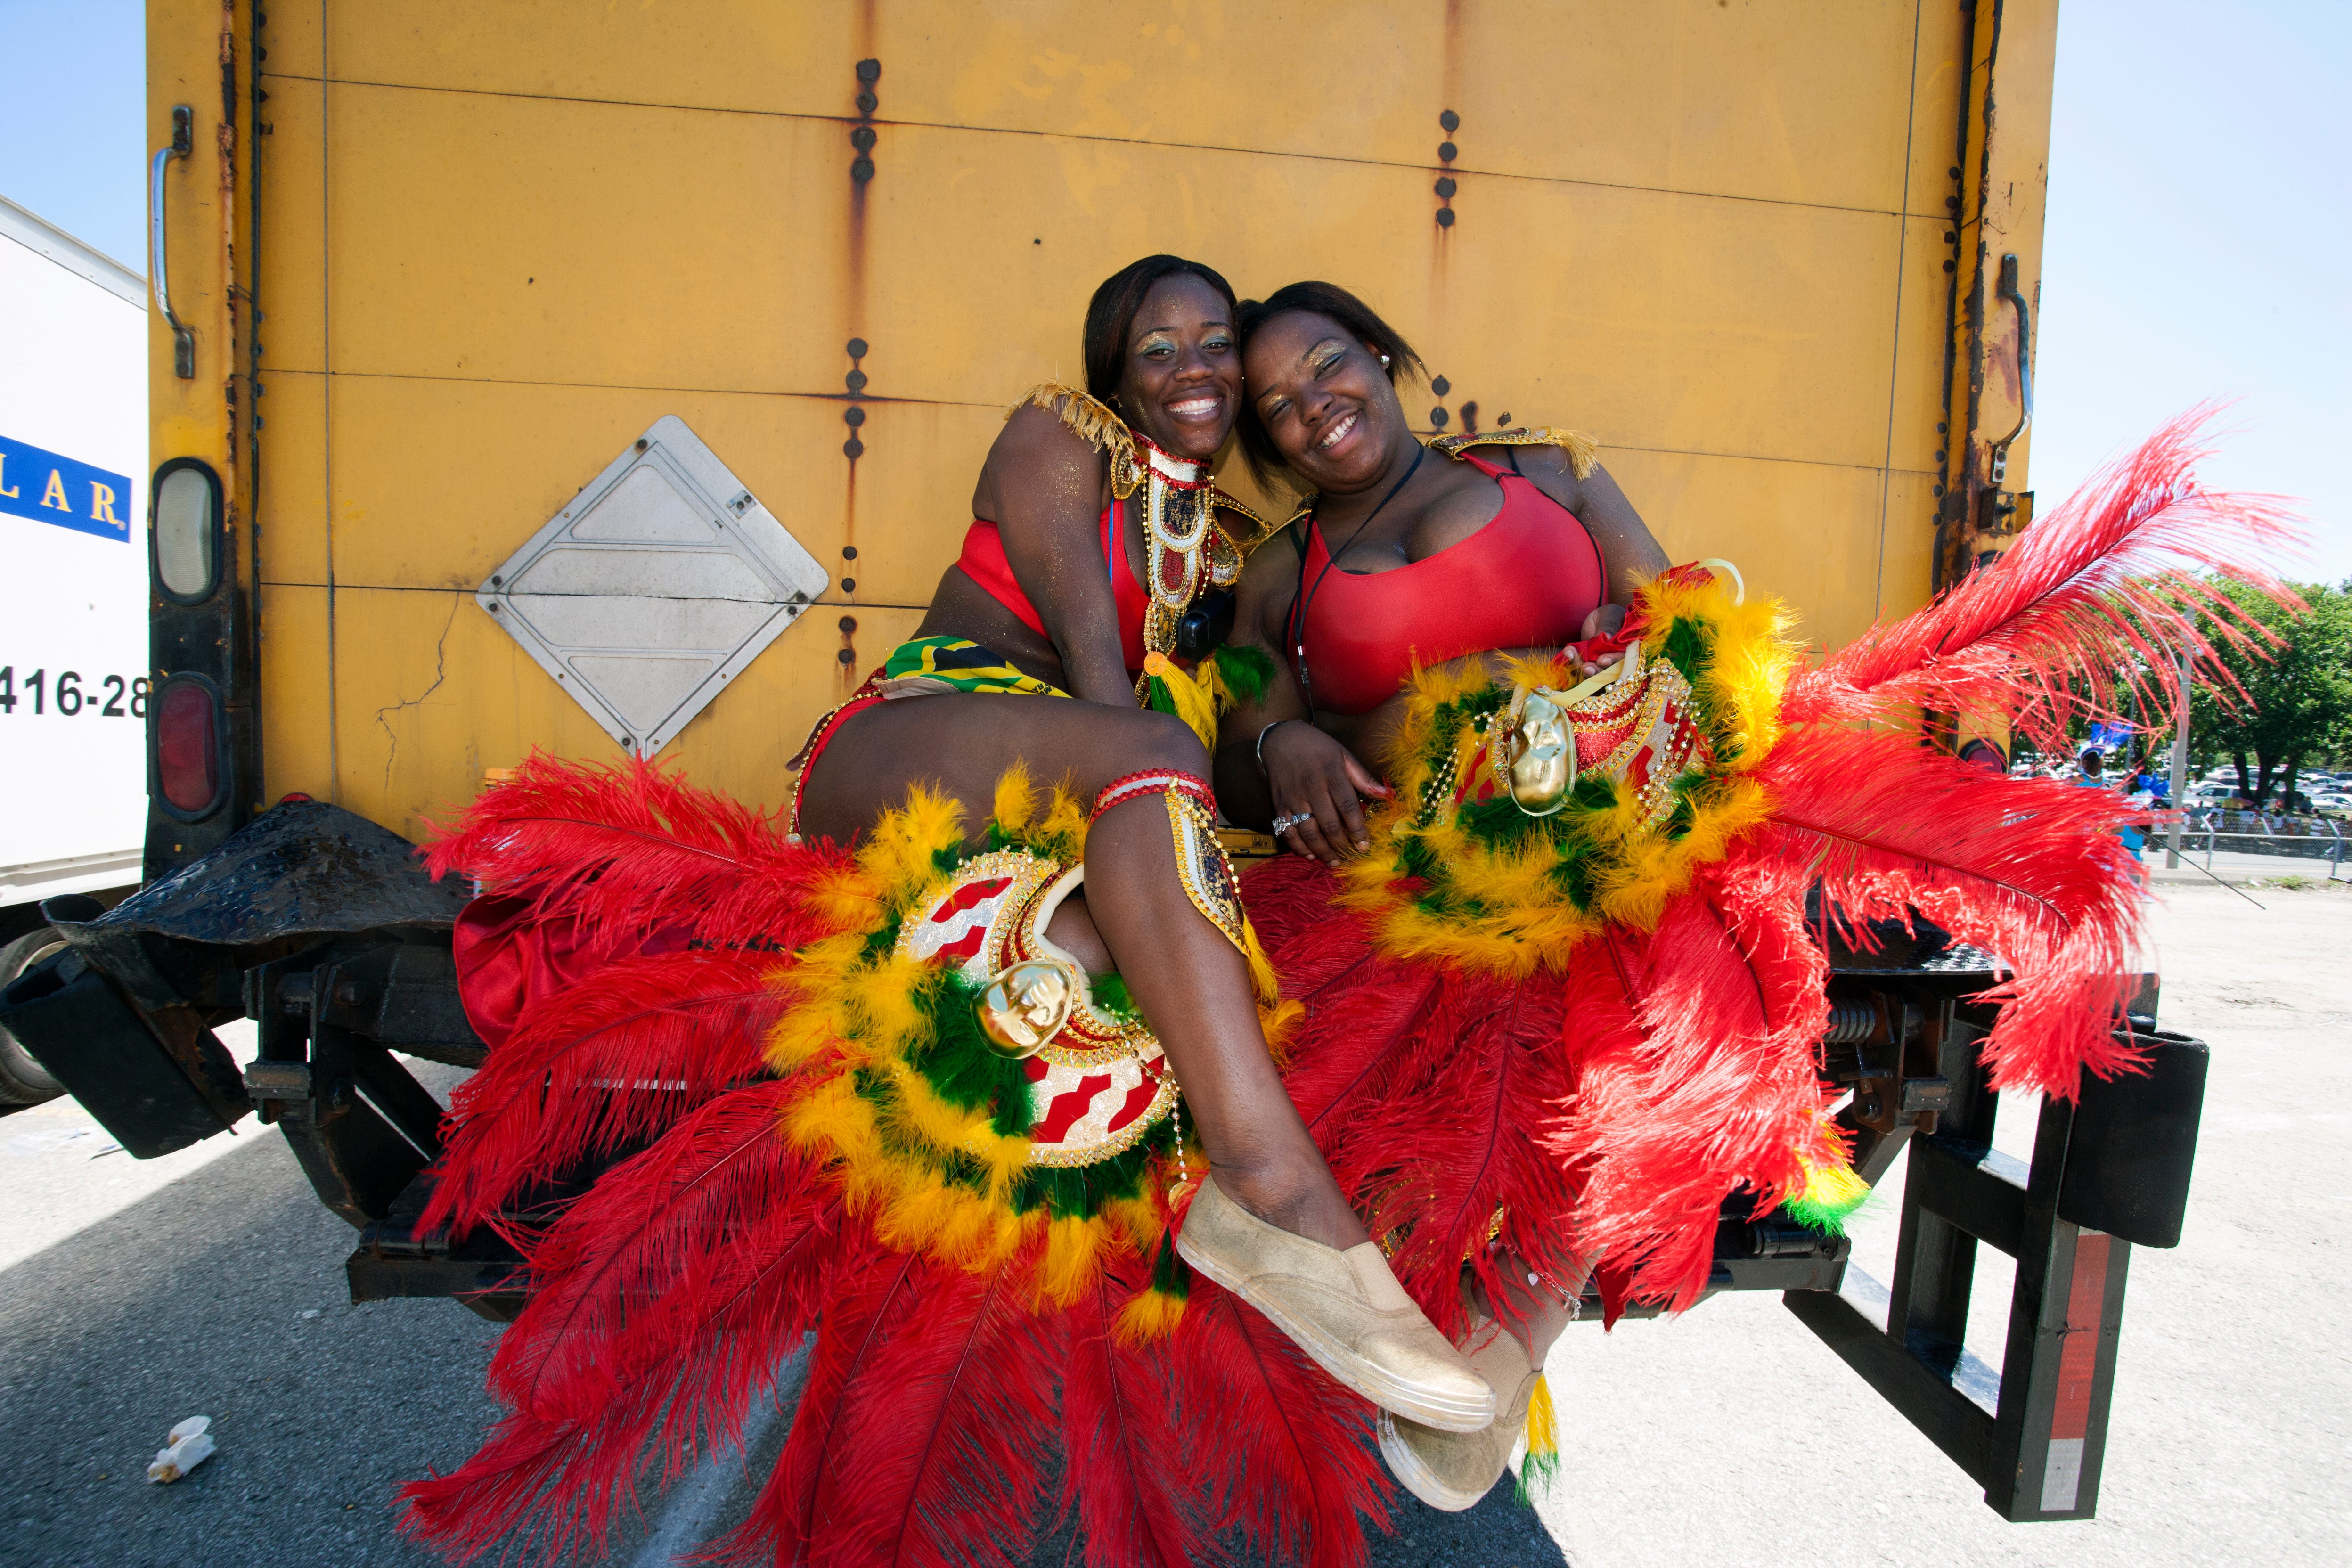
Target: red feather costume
[(1579, 1036)]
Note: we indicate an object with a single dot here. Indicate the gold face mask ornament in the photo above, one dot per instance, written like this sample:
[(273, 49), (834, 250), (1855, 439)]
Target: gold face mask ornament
[(1026, 1005), (1537, 752), (1532, 751)]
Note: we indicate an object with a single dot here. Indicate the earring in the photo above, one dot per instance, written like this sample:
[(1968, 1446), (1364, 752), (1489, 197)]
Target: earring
[(1385, 359)]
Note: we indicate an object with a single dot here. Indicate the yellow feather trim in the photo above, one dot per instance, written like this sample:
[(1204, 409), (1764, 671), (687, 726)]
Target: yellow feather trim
[(1148, 1315), (1074, 1249), (1279, 1023), (1016, 798), (1137, 1223), (1503, 909), (1543, 1422), (1750, 658), (1196, 703)]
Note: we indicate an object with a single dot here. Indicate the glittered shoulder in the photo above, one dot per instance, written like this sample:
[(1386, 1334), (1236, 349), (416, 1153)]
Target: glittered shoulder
[(1583, 451), (1089, 420)]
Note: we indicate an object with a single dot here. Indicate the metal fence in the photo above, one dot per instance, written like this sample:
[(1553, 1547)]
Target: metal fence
[(2313, 842)]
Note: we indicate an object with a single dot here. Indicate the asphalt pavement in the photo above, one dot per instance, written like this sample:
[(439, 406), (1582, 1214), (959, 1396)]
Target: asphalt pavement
[(132, 1296)]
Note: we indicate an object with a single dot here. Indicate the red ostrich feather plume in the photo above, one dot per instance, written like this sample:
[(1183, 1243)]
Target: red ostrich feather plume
[(2029, 869), (1132, 1465), (1284, 1450), (629, 850), (666, 1298), (922, 1435), (606, 1064), (2108, 589), (1691, 1046)]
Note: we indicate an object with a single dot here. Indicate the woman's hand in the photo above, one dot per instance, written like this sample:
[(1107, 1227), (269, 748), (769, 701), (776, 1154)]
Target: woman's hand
[(1603, 622), (1312, 776)]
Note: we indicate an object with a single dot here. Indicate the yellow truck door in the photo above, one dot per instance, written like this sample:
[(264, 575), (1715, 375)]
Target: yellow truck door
[(489, 248)]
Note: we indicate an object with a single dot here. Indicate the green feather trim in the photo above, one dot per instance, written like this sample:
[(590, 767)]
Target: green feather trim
[(1170, 1276), (962, 1065), (1113, 998), (1246, 672), (1536, 1471), (1827, 1217)]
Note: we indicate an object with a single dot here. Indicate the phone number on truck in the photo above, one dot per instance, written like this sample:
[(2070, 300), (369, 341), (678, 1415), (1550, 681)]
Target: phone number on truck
[(107, 696)]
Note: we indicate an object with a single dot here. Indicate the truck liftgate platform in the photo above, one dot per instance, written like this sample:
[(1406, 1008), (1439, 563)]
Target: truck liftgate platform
[(320, 926)]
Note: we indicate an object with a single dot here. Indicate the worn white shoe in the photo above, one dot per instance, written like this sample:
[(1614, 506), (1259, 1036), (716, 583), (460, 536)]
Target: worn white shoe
[(1452, 1471), (1345, 1309)]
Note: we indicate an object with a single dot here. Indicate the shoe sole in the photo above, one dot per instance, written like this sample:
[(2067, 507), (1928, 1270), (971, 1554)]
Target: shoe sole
[(1419, 1479), (1365, 1377)]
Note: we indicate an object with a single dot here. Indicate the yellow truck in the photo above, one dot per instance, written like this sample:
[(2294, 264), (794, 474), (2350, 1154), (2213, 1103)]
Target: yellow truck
[(610, 381)]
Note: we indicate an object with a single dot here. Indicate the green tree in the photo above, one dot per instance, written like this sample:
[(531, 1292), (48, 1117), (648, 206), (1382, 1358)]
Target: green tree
[(2298, 696)]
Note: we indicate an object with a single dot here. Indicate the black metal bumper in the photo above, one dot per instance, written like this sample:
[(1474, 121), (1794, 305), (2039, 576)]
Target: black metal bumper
[(318, 923)]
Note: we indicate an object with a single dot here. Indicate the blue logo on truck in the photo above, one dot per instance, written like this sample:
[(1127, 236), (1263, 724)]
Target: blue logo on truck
[(48, 487)]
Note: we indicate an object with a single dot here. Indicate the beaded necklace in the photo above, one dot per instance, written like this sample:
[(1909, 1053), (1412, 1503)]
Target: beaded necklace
[(1186, 551)]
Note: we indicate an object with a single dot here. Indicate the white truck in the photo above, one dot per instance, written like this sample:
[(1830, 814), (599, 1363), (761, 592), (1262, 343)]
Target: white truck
[(73, 590)]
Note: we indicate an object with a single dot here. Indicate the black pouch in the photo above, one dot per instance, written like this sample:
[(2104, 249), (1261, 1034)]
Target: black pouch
[(1205, 627)]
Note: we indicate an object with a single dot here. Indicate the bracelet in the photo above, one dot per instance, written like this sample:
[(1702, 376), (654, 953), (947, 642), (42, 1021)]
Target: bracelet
[(1133, 786), (1261, 743)]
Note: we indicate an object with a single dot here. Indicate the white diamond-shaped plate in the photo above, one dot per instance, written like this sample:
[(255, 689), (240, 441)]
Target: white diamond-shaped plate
[(654, 587)]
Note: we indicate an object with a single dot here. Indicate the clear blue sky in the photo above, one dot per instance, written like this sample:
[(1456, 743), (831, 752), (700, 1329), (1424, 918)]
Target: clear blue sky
[(73, 119), (2200, 235), (2199, 244)]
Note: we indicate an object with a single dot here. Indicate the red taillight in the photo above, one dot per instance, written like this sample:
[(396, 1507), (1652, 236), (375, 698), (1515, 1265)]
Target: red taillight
[(187, 748)]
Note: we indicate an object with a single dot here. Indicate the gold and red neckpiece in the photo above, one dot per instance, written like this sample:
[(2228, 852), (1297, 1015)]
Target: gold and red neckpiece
[(1187, 549)]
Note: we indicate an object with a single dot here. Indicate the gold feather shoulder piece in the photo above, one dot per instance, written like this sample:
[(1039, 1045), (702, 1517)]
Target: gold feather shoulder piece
[(1244, 528), (1090, 421), (1583, 451)]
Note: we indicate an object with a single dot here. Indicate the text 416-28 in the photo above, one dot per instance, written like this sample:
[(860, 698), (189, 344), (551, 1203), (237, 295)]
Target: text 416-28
[(71, 692)]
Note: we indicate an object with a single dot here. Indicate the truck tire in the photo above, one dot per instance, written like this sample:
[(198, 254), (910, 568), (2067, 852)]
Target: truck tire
[(23, 1080)]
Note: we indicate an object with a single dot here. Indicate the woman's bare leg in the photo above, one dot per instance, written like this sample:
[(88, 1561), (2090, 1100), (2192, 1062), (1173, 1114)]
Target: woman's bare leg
[(1192, 986)]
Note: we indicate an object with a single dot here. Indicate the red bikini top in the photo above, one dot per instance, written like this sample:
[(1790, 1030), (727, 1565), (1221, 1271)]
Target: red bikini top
[(983, 560), (1528, 579)]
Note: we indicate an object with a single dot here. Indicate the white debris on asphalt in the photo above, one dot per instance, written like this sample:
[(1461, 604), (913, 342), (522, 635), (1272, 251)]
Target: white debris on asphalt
[(186, 1446)]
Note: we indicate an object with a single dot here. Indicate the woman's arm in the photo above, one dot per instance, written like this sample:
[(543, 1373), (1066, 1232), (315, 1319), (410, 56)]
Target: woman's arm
[(1304, 770), (1044, 487)]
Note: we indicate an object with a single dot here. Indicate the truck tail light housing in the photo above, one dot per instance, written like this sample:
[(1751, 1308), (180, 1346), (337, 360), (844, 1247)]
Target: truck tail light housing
[(186, 531), (187, 733)]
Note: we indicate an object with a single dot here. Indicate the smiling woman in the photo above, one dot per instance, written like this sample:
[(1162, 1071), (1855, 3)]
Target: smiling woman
[(1558, 812), (933, 1026)]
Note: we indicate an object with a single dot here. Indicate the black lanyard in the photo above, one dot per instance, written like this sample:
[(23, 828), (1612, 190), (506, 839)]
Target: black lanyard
[(1303, 598)]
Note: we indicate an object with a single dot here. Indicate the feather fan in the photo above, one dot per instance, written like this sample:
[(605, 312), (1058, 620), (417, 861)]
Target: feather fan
[(1282, 1449), (609, 1062), (668, 1296), (2029, 869)]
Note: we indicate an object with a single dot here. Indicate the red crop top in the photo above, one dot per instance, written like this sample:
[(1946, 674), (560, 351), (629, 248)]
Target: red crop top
[(1528, 579), (983, 560)]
